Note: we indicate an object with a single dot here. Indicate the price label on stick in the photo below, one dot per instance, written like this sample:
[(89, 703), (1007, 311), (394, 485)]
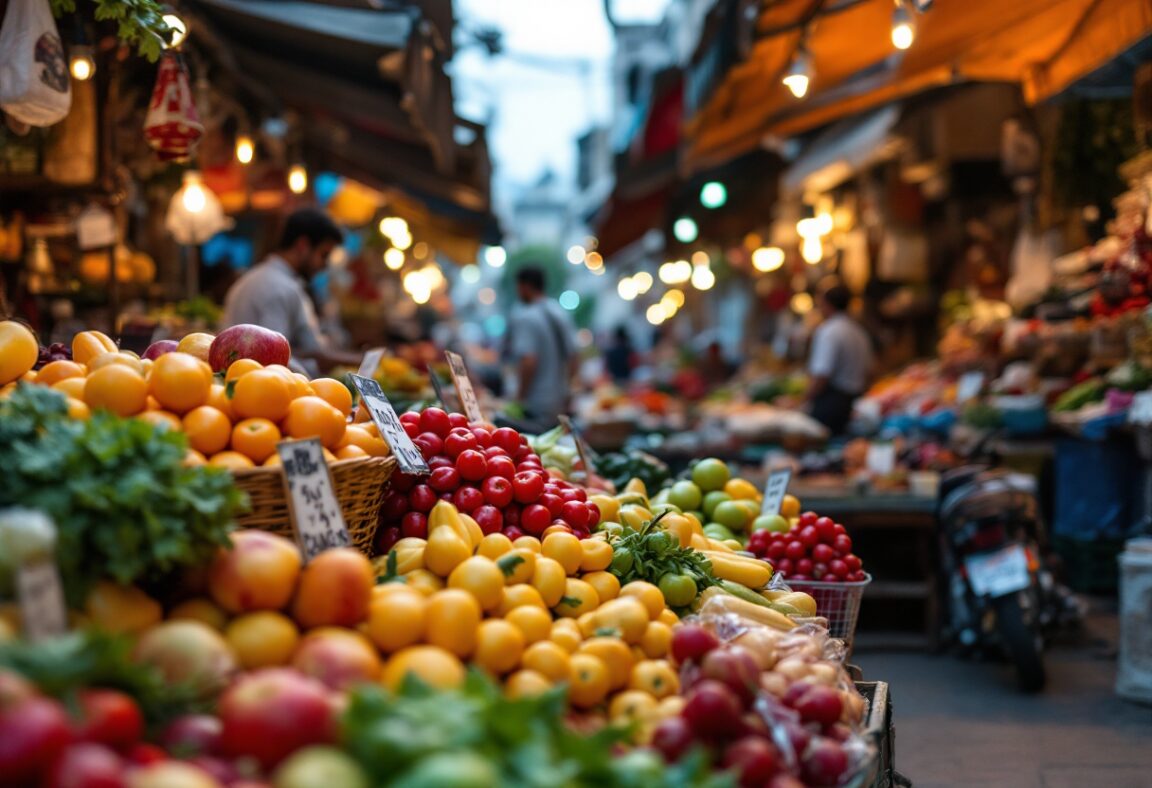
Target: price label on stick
[(312, 503), (409, 458), (371, 362), (41, 600), (468, 402), (775, 489), (582, 447)]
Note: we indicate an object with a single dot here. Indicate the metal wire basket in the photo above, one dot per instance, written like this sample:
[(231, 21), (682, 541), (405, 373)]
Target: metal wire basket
[(837, 602)]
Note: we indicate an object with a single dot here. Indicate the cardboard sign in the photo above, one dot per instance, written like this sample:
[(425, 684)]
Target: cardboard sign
[(969, 386), (41, 600), (312, 502), (371, 362), (468, 402), (409, 458), (775, 489), (881, 458), (582, 447)]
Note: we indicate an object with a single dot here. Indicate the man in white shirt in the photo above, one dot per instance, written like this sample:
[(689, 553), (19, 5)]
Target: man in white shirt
[(272, 294), (839, 362), (543, 345)]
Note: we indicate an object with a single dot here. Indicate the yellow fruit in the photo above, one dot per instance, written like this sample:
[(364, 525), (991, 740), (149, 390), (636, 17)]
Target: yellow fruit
[(262, 639), (615, 655), (397, 619), (522, 595), (528, 543), (548, 659), (534, 623), (549, 579), (453, 618), (518, 566), (19, 351), (480, 577), (656, 677), (648, 594), (579, 598), (668, 616), (566, 634), (494, 545), (526, 684), (790, 506), (597, 555), (432, 665), (633, 707), (121, 609), (657, 640), (606, 584), (565, 549), (626, 616), (200, 609), (424, 581), (499, 645), (587, 624), (587, 681), (741, 490), (445, 551)]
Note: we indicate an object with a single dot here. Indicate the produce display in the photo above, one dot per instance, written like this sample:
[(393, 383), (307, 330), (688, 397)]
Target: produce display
[(514, 627)]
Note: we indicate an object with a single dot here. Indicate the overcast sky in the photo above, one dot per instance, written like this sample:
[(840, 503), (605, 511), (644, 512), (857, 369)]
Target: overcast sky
[(549, 86)]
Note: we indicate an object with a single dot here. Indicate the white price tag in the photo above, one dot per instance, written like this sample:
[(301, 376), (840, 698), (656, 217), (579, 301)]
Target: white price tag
[(468, 401), (969, 386), (775, 489), (582, 448), (371, 362), (316, 514), (999, 573), (384, 416), (41, 600), (881, 458), (1141, 410)]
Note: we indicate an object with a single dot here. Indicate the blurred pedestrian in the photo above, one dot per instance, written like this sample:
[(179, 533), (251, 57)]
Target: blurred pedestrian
[(620, 358), (840, 362), (542, 346)]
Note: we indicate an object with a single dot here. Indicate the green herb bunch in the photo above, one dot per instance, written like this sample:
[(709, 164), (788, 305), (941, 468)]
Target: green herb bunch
[(652, 554), (124, 504)]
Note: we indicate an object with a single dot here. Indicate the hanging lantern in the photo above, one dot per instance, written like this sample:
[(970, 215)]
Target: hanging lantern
[(172, 127)]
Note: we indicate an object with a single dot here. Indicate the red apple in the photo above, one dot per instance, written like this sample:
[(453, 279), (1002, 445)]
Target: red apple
[(820, 704), (690, 642), (269, 714), (712, 710), (248, 341), (192, 734), (734, 667), (33, 732), (86, 765), (754, 759), (824, 763), (672, 738), (160, 347)]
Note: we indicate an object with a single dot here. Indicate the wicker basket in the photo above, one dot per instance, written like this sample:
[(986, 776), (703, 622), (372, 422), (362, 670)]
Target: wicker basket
[(837, 602), (360, 487)]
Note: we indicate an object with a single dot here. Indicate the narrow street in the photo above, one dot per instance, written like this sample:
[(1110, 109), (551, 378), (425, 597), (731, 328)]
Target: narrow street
[(962, 723)]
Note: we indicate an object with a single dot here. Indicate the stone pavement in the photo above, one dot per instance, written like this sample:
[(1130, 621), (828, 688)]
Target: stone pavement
[(964, 724)]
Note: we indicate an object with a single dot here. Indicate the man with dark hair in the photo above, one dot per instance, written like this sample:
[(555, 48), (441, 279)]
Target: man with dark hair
[(543, 347), (839, 361), (273, 293)]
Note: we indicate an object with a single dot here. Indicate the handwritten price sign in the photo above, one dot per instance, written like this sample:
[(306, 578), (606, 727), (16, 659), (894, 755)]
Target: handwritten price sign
[(384, 415), (312, 502), (468, 401), (775, 489), (41, 600)]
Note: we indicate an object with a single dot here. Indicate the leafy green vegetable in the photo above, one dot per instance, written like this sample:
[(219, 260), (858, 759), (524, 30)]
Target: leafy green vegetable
[(621, 467), (1086, 393), (139, 22), (650, 554), (124, 504)]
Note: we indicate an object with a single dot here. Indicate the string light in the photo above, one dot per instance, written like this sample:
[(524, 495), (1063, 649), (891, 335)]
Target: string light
[(403, 242), (569, 299), (393, 226), (194, 198), (626, 288), (674, 297), (594, 261), (298, 179), (576, 254), (701, 257), (768, 258), (80, 62), (903, 29), (470, 273), (812, 250), (801, 303), (245, 149), (643, 282), (703, 278), (656, 314), (394, 259), (799, 73), (495, 256), (685, 230), (713, 195)]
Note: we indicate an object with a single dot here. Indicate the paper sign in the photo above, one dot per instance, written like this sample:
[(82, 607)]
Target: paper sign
[(969, 386), (582, 448), (384, 416), (95, 228), (775, 489), (1141, 410), (468, 402), (371, 362), (312, 500), (41, 600), (881, 458)]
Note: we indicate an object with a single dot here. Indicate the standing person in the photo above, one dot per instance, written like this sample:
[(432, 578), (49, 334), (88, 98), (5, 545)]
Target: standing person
[(273, 293), (620, 357), (839, 362), (543, 349)]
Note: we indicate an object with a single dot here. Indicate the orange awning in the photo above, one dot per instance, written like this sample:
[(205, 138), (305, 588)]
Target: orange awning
[(1044, 45)]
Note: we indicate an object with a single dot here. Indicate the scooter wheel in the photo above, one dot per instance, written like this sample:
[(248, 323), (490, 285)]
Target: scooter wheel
[(1022, 643)]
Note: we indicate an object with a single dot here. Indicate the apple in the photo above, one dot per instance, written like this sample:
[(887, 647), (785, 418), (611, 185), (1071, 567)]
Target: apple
[(824, 763), (188, 652), (248, 341), (33, 732), (270, 713), (673, 738), (820, 704), (337, 657), (86, 765), (320, 767), (690, 642), (712, 710), (160, 347), (192, 734), (773, 523), (735, 668), (197, 344), (754, 759)]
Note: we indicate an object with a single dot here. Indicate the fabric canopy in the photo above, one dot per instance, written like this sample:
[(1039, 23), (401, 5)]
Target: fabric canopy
[(1042, 44)]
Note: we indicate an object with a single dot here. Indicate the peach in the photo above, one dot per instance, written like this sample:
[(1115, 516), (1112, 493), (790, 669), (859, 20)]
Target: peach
[(335, 589), (258, 573), (188, 652), (337, 657)]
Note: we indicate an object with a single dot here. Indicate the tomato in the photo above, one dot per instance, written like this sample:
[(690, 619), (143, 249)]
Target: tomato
[(88, 344), (597, 555), (232, 460), (424, 581), (472, 465), (453, 618), (497, 491), (444, 480), (588, 681), (521, 595), (615, 655), (626, 615), (606, 584), (482, 578), (575, 514), (262, 393), (468, 499), (506, 438), (579, 598), (362, 437), (54, 371), (33, 732), (526, 684), (434, 420), (458, 441), (548, 659), (657, 640), (499, 645), (564, 549), (527, 486), (501, 466), (109, 717), (549, 579), (679, 590), (535, 518), (534, 623), (334, 393), (632, 707), (180, 382), (256, 439), (656, 677)]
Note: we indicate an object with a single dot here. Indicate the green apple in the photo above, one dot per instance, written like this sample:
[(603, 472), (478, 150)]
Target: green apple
[(731, 515), (776, 523), (710, 474), (712, 500), (718, 532), (685, 495)]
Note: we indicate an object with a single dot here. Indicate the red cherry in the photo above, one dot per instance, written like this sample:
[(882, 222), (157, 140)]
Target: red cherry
[(839, 568), (429, 444), (483, 437), (414, 524), (459, 441), (507, 439), (554, 503), (827, 529), (852, 561), (402, 482), (795, 550), (394, 507), (489, 519), (575, 513), (823, 553), (808, 518), (412, 428), (593, 514), (528, 486), (457, 420), (775, 549), (386, 538), (784, 566), (513, 532), (842, 544), (804, 566), (809, 536), (501, 466)]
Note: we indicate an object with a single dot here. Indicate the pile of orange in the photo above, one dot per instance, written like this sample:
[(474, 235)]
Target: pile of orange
[(234, 422)]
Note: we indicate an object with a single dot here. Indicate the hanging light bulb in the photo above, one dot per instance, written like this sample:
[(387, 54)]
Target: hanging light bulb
[(768, 258), (179, 30), (673, 297), (799, 73), (193, 198), (594, 261), (403, 241), (685, 230), (245, 149), (703, 278), (80, 62), (394, 259), (903, 30), (298, 179), (626, 288), (643, 282), (812, 250), (667, 272), (656, 314)]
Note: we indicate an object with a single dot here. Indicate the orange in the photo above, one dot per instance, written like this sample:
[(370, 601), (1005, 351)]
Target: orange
[(312, 417), (71, 387), (397, 620), (548, 578), (298, 385), (162, 418), (303, 385), (527, 543), (615, 655), (362, 439), (350, 453), (119, 357), (597, 555), (180, 381), (241, 367), (335, 588), (534, 623), (273, 461), (491, 546), (626, 616), (526, 684), (116, 388), (578, 598), (668, 616), (499, 645), (548, 659), (588, 681), (77, 409), (481, 578), (55, 371), (632, 708), (218, 399), (262, 639), (334, 393), (19, 350), (193, 458), (432, 665), (648, 594), (453, 619), (256, 439), (208, 429), (232, 460), (151, 403), (262, 393)]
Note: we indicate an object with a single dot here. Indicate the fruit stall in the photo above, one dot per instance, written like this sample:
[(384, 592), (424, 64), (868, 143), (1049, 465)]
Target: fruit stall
[(428, 601)]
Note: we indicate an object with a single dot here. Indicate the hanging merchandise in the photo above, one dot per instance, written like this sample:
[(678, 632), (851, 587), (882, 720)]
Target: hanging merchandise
[(34, 84), (172, 127)]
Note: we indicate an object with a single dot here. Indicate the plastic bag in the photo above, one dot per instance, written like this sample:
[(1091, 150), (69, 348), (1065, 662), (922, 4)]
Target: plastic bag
[(35, 87)]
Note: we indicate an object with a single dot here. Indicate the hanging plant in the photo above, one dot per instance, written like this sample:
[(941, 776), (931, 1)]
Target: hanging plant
[(140, 22)]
